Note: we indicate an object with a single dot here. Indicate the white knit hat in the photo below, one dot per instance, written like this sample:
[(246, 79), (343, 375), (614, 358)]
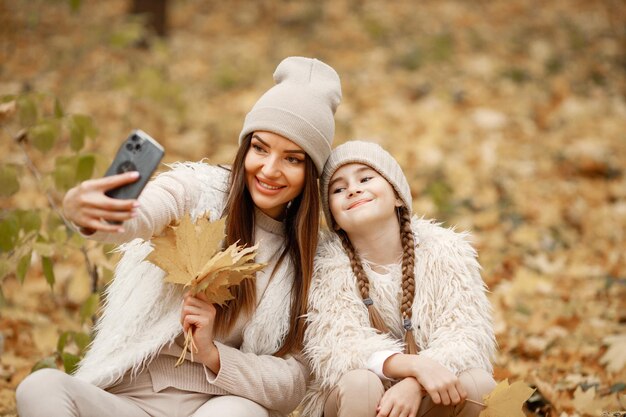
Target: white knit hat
[(300, 107), (372, 155)]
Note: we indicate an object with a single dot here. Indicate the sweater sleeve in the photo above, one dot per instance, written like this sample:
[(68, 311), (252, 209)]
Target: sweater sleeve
[(166, 198), (461, 333), (275, 383)]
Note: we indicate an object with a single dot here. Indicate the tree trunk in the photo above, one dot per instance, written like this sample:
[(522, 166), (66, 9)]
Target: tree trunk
[(155, 12)]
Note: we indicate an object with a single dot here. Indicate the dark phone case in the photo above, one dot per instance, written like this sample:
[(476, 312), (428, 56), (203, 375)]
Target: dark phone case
[(139, 152)]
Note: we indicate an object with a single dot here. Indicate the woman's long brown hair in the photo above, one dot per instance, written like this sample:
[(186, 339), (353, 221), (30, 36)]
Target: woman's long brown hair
[(301, 232)]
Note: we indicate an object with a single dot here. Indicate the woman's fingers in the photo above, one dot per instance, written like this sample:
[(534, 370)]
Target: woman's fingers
[(113, 181), (99, 225), (87, 205), (118, 216), (192, 320), (200, 303), (193, 306)]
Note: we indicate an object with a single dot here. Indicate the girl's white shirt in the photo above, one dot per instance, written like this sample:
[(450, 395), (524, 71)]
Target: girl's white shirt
[(388, 284)]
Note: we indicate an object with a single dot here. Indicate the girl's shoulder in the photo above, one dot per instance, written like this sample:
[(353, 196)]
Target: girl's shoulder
[(431, 236), (330, 252)]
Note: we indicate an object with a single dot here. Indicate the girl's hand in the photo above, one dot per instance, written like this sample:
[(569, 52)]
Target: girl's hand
[(87, 206), (199, 316), (441, 384), (401, 400)]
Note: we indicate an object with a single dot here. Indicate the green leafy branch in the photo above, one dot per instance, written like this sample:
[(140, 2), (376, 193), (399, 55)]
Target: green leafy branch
[(40, 129)]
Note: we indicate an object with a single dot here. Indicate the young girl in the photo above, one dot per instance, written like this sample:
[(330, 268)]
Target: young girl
[(398, 323), (247, 362)]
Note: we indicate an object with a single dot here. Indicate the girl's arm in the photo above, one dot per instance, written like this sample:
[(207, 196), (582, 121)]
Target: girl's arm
[(441, 384)]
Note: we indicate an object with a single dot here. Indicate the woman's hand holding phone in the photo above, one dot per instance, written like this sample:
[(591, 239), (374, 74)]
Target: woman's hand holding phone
[(104, 204), (87, 205)]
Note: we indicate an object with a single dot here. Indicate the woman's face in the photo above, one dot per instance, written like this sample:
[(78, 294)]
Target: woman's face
[(360, 197), (275, 170)]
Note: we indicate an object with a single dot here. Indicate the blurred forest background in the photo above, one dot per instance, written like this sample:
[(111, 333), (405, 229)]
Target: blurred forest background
[(508, 117)]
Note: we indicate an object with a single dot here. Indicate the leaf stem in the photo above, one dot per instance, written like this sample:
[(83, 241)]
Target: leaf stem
[(476, 402)]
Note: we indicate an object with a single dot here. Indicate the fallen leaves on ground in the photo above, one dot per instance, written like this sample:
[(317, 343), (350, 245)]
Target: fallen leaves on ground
[(506, 400), (507, 117)]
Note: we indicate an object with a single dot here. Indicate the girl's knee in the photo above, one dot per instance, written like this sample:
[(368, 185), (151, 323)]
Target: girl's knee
[(359, 381), (477, 383)]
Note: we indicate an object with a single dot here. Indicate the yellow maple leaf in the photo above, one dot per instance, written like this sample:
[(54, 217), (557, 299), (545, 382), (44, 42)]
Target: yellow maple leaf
[(506, 400), (615, 357), (190, 253)]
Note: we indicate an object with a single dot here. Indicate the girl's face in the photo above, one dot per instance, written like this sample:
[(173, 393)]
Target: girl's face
[(274, 170), (360, 197)]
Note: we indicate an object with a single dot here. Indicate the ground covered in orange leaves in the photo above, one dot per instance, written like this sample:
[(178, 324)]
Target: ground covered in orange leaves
[(508, 117)]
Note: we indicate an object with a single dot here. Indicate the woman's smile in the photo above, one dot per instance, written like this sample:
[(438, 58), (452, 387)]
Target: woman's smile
[(268, 187)]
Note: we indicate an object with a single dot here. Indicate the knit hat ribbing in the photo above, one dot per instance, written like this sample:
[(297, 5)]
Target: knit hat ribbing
[(372, 155), (300, 107)]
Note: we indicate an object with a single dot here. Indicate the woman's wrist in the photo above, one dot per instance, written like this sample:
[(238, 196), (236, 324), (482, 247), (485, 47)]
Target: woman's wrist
[(211, 358)]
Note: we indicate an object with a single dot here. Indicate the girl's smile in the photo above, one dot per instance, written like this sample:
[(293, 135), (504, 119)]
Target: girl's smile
[(359, 197)]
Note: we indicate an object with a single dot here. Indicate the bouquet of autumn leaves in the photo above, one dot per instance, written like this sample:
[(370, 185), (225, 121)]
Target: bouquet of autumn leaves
[(191, 255)]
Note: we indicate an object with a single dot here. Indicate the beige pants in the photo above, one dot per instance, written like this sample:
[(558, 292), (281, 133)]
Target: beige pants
[(358, 393), (52, 393)]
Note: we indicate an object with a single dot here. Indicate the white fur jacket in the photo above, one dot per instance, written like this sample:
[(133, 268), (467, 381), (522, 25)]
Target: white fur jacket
[(141, 313), (451, 314)]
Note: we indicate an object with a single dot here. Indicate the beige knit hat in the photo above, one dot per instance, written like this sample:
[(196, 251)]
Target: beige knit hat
[(300, 107), (372, 155)]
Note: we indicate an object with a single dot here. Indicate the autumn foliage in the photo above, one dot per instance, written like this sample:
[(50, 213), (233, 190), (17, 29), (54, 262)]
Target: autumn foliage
[(507, 116)]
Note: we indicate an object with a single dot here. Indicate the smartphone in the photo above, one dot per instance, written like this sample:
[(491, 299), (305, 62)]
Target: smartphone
[(139, 152)]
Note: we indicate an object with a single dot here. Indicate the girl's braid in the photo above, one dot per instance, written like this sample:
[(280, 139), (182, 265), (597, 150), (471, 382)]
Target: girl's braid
[(363, 283), (408, 278)]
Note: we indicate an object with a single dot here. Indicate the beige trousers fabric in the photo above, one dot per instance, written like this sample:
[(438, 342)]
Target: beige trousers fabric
[(358, 393), (53, 393)]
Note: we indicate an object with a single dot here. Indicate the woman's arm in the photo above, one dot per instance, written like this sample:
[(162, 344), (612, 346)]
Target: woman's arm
[(275, 383), (164, 199)]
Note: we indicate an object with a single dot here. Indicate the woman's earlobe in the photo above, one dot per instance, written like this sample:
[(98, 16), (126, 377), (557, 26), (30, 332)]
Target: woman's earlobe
[(399, 203)]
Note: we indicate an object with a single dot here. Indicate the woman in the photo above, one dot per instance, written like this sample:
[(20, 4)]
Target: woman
[(398, 323), (247, 362)]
